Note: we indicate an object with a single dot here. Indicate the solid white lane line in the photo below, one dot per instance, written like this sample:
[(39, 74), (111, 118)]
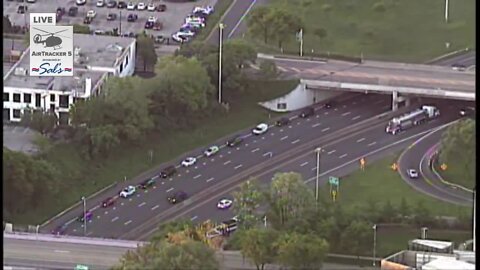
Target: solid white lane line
[(361, 140), (372, 143), (356, 117), (342, 156), (193, 218), (314, 168), (209, 179), (303, 164), (296, 141), (238, 166), (226, 162), (142, 204), (325, 129), (283, 138), (168, 190), (128, 222), (155, 207), (61, 251), (331, 152), (345, 114), (155, 177), (255, 150), (316, 125), (197, 176)]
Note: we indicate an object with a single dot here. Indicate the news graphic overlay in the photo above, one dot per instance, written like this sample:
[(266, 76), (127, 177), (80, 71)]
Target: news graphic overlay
[(51, 46)]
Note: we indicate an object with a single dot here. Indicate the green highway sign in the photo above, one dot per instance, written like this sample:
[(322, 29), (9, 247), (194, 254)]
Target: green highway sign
[(333, 181), (81, 267)]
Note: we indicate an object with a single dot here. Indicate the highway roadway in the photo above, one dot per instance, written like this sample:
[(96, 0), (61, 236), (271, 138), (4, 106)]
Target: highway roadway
[(378, 73), (129, 213), (467, 59), (417, 156), (338, 159)]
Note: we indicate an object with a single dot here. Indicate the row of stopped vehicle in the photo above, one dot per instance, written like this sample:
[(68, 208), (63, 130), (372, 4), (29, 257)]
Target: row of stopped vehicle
[(413, 118)]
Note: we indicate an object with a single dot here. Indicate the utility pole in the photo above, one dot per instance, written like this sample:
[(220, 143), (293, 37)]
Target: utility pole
[(300, 36), (84, 216), (318, 150), (374, 243), (474, 216), (220, 28), (120, 24), (446, 11)]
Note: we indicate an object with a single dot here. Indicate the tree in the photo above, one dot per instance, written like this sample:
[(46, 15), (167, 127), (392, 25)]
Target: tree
[(81, 29), (146, 51), (43, 122), (302, 251), (288, 198), (404, 209), (257, 244), (269, 69), (356, 237), (162, 255), (259, 23), (7, 25), (247, 200), (388, 212), (102, 140), (458, 149), (422, 216), (321, 33), (171, 227), (285, 24)]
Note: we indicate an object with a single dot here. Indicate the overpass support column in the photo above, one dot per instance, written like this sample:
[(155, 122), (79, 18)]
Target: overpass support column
[(407, 101), (394, 100)]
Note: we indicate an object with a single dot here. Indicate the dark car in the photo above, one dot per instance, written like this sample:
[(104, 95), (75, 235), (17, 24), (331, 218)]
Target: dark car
[(108, 202), (22, 9), (159, 39), (73, 11), (88, 215), (87, 20), (111, 4), (149, 25), (190, 28), (147, 183), (200, 14), (61, 11), (132, 17), (111, 16), (177, 197), (162, 7), (122, 4), (282, 122), (467, 111), (329, 104), (307, 112), (60, 230), (168, 171), (459, 67), (235, 141)]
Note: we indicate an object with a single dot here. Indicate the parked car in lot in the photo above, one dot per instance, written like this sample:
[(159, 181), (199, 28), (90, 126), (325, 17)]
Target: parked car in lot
[(151, 7), (128, 191), (307, 112), (100, 3), (73, 11), (177, 197), (92, 14), (132, 17), (121, 4), (189, 161), (22, 9), (131, 6), (111, 4), (282, 122), (149, 25), (157, 26), (141, 6), (260, 129), (80, 2), (111, 16), (205, 10), (147, 183), (161, 7), (178, 37), (168, 171), (87, 20), (212, 150), (108, 202)]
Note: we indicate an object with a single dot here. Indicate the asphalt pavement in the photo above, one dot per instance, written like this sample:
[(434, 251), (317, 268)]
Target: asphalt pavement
[(338, 160), (126, 214), (416, 157), (466, 59)]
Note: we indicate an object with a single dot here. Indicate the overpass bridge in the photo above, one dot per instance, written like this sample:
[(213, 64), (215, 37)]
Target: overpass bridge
[(402, 81)]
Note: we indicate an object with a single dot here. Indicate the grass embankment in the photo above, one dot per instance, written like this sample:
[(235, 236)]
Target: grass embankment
[(214, 19), (407, 30), (455, 174), (82, 177)]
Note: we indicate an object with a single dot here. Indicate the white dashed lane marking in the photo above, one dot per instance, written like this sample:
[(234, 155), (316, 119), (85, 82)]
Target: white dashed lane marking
[(170, 189), (197, 176), (325, 129), (128, 222), (255, 150), (155, 207), (193, 218), (226, 162), (361, 140), (142, 204), (331, 152), (296, 141), (356, 117), (316, 125), (372, 143), (238, 166), (342, 156), (303, 164), (283, 138), (345, 114), (210, 179), (114, 219)]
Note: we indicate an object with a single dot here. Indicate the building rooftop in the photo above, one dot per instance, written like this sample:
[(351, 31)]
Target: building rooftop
[(91, 52), (448, 264)]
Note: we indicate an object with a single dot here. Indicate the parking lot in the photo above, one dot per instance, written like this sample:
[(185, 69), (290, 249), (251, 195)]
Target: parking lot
[(171, 19), (19, 138)]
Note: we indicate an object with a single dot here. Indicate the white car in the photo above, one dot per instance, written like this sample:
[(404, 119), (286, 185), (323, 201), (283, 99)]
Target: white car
[(141, 6), (81, 2), (195, 24), (151, 7), (412, 173), (91, 14), (224, 204), (194, 19), (100, 3), (178, 37), (211, 151), (189, 161), (186, 33), (205, 10), (128, 191), (131, 6), (152, 19), (260, 129)]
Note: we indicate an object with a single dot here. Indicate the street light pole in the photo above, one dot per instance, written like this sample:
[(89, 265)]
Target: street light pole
[(84, 216), (446, 11), (220, 28), (120, 22), (374, 243), (318, 150), (474, 216)]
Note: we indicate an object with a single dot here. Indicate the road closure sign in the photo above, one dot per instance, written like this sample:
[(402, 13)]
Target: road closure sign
[(51, 46)]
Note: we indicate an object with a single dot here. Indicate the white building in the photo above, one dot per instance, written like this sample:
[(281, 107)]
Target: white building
[(96, 58)]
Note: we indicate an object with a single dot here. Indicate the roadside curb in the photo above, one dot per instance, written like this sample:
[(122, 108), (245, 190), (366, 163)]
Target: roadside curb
[(451, 54), (432, 158), (78, 203)]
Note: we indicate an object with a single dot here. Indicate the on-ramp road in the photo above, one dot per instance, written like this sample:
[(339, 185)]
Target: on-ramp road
[(416, 156)]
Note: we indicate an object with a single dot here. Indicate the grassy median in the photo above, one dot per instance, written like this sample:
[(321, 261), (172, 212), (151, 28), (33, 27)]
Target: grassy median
[(397, 30), (84, 177)]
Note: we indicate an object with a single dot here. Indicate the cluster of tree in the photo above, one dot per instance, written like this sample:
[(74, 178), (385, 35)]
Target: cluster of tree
[(458, 149), (37, 119), (177, 245), (27, 182)]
